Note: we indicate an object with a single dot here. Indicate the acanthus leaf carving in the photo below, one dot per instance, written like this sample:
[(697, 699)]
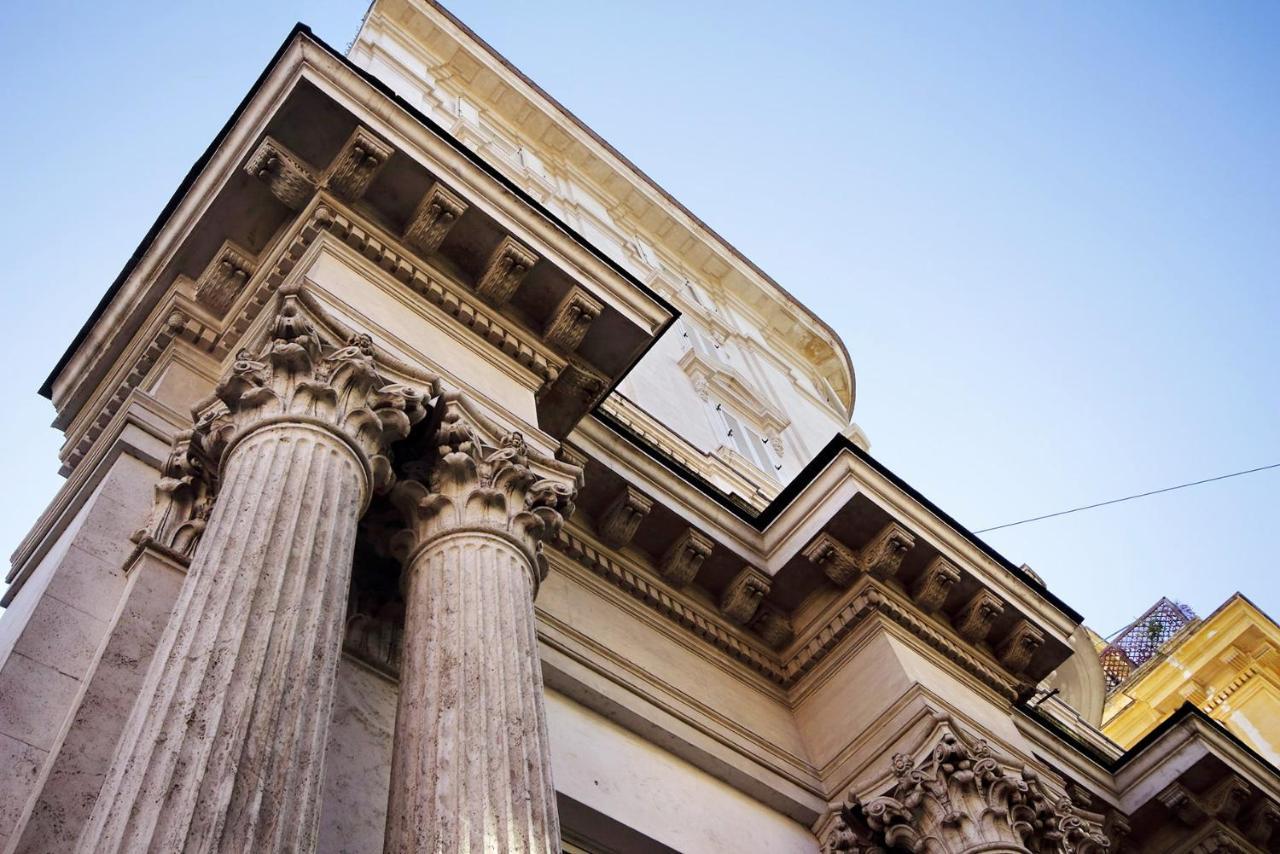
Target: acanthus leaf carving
[(571, 319), (289, 178), (476, 481), (961, 797), (773, 626), (297, 374), (743, 595), (622, 517), (357, 164), (883, 556), (225, 277), (507, 267), (976, 618), (1019, 646), (684, 557), (930, 590), (834, 558), (437, 213)]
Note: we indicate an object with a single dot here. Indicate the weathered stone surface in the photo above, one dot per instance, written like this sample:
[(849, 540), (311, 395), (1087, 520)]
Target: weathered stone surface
[(225, 747), (357, 777), (82, 758), (471, 769)]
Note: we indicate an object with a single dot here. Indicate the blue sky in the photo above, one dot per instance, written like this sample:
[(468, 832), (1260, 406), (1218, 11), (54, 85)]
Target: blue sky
[(1048, 234)]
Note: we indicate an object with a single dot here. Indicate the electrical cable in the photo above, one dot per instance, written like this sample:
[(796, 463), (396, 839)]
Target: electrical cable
[(1128, 498)]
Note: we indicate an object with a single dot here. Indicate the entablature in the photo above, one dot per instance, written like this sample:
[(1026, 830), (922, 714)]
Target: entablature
[(467, 72), (319, 146)]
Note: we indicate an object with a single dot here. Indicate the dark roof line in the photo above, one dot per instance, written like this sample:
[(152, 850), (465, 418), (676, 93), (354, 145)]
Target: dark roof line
[(303, 30), (838, 444), (1112, 765), (46, 390)]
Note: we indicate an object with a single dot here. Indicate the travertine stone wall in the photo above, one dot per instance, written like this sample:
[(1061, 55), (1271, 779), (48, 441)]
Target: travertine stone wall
[(51, 634), (65, 795)]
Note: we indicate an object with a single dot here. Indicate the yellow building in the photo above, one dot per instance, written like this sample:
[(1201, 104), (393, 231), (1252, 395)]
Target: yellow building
[(1227, 664)]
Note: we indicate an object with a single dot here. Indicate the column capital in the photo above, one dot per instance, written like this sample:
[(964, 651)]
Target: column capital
[(299, 376), (480, 477)]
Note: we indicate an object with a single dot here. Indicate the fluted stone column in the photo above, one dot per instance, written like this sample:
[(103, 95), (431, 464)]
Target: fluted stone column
[(471, 767), (224, 749)]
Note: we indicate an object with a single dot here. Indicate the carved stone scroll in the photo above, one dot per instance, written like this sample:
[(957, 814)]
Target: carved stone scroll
[(437, 213), (1019, 646), (684, 557), (931, 588), (507, 267), (621, 519), (884, 554), (773, 626), (357, 164), (742, 596), (834, 558), (225, 277), (976, 618), (288, 176), (571, 319)]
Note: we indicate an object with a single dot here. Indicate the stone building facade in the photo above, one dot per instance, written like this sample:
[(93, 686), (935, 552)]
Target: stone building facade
[(436, 482)]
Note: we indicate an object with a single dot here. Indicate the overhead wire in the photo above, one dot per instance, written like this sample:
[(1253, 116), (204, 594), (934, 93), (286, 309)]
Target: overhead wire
[(1127, 498)]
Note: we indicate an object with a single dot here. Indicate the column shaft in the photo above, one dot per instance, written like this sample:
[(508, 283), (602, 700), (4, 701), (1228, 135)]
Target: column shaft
[(224, 750), (471, 770)]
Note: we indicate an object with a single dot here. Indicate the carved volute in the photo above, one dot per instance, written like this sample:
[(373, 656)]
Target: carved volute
[(962, 799)]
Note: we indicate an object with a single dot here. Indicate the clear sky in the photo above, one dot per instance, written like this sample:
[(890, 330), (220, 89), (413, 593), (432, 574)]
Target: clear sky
[(1048, 233)]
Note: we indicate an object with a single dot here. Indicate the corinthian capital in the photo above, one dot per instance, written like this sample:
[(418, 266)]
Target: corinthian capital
[(479, 478), (297, 376)]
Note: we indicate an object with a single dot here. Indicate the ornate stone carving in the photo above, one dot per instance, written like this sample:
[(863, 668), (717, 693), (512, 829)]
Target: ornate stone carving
[(976, 618), (773, 626), (286, 175), (184, 497), (571, 396), (507, 267), (571, 319), (297, 376), (1228, 798), (742, 596), (1117, 829), (471, 767), (960, 798), (221, 282), (933, 585), (883, 555), (684, 557), (298, 435), (484, 483), (834, 558), (435, 216), (1018, 647), (621, 519), (1182, 804), (357, 164)]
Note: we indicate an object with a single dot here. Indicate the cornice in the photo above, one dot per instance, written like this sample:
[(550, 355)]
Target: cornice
[(702, 622), (302, 57), (728, 264)]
